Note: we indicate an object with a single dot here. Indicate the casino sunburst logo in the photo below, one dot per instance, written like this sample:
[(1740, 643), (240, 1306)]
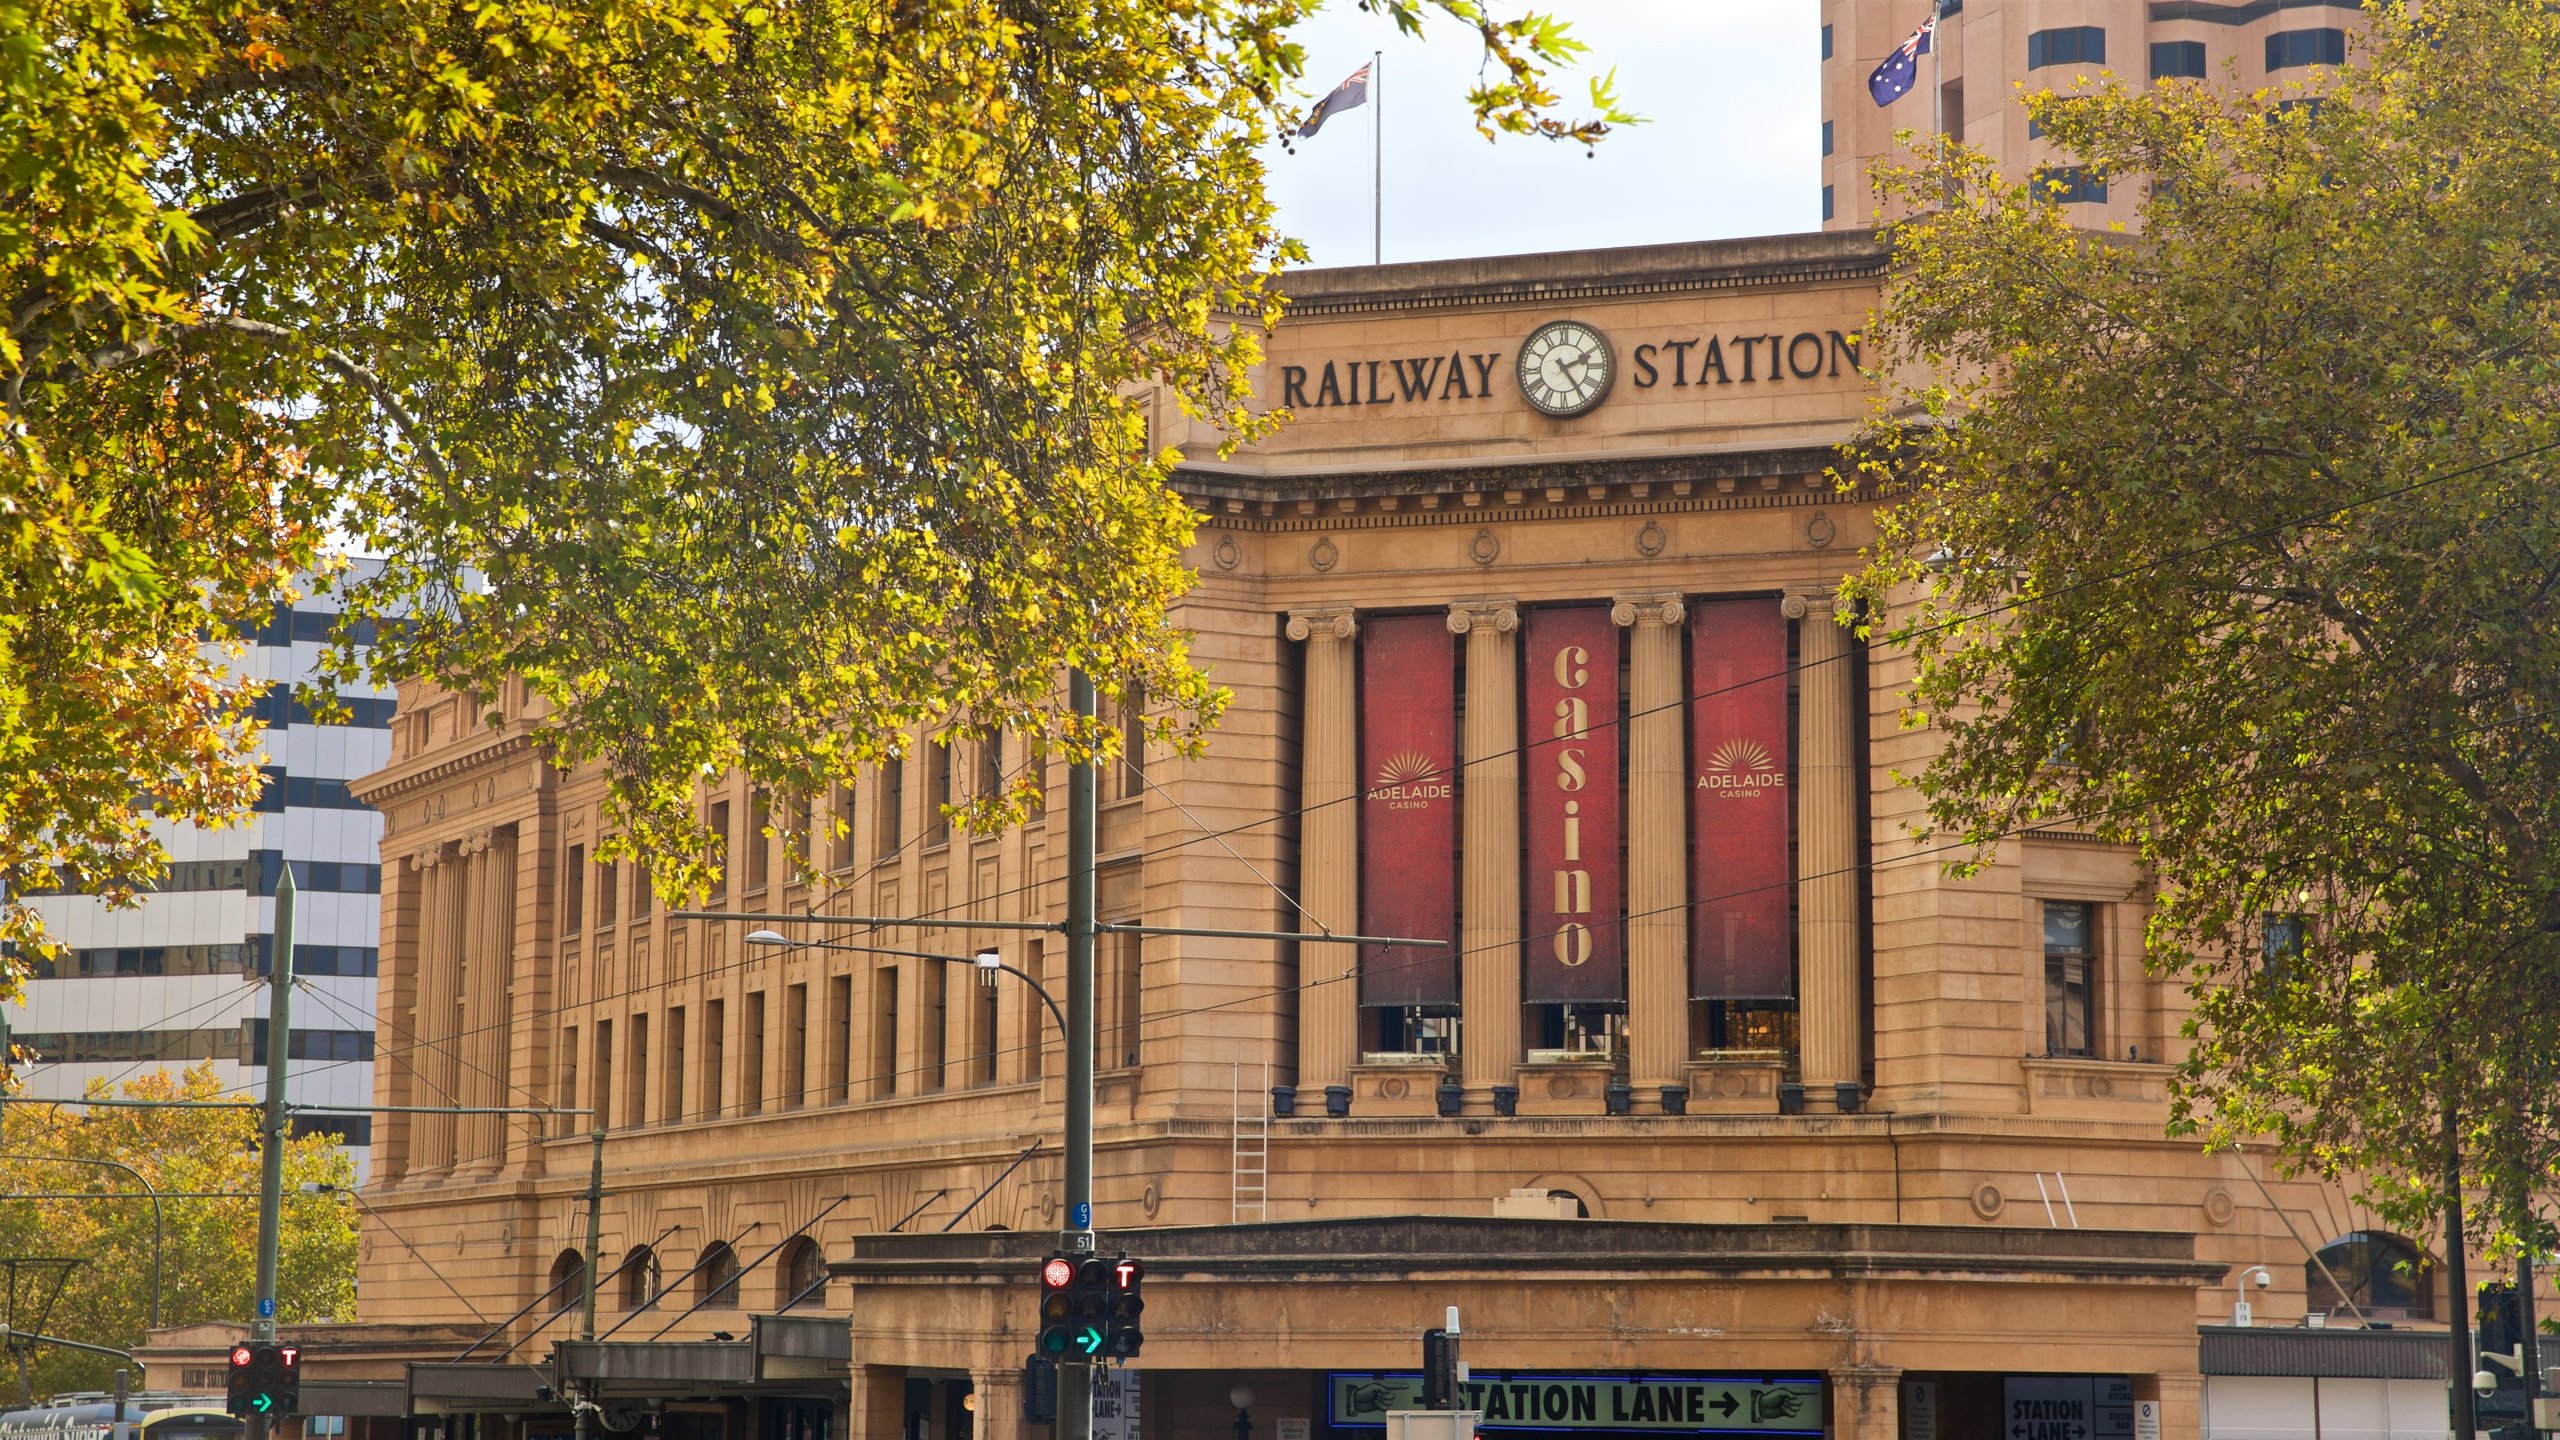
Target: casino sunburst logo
[(1407, 767), (1740, 757), (1739, 768)]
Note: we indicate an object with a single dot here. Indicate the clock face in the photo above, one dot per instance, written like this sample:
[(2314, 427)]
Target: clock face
[(1566, 367)]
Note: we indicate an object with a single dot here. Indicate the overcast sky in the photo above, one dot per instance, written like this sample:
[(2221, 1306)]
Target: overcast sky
[(1728, 88)]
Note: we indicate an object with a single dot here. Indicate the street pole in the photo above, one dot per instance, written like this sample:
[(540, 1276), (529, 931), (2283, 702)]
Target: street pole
[(2458, 1402), (595, 1242), (2531, 1354), (1075, 1378), (271, 1143)]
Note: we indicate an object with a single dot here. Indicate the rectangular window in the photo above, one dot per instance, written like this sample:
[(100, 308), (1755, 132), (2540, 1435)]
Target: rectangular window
[(893, 804), (841, 830), (2070, 185), (635, 1105), (2069, 45), (2287, 49), (573, 890), (1826, 42), (983, 1031), (639, 891), (1826, 202), (2177, 60), (935, 1051), (603, 1101), (1951, 105), (1119, 1002), (803, 816), (991, 766), (795, 1047), (1826, 137), (568, 1091), (759, 844), (839, 1039), (671, 1088), (751, 1058), (608, 892), (1035, 1015), (937, 793), (726, 846), (715, 1059), (2070, 978), (1949, 7), (884, 1032), (1133, 748)]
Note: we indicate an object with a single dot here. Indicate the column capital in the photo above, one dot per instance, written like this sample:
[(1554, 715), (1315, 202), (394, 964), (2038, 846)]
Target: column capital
[(1653, 607), (1328, 622), (1499, 616), (427, 857), (1810, 602)]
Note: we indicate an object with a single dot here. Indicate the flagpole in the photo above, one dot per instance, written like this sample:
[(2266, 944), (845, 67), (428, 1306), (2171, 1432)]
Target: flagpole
[(1937, 92), (1378, 157)]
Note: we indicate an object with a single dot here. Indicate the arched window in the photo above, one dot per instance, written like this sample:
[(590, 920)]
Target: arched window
[(715, 1285), (639, 1272), (567, 1287), (801, 1279), (2385, 1276)]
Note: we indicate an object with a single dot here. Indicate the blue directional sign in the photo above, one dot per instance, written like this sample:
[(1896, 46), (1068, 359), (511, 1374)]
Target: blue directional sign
[(1082, 1214)]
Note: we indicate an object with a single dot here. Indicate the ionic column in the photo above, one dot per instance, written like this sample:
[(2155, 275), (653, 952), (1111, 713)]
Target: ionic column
[(486, 976), (1657, 844), (1826, 845), (1328, 848), (1489, 877), (439, 986)]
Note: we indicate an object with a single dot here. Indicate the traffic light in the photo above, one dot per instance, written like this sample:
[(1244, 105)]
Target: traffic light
[(1125, 1316), (1039, 1391), (1439, 1370), (1057, 1308), (265, 1380), (2501, 1324)]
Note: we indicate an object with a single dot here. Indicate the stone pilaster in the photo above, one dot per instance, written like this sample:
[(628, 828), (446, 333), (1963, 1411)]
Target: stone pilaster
[(1866, 1402), (480, 1140), (1826, 846), (1489, 894), (441, 877), (1328, 848), (1657, 844), (998, 1396)]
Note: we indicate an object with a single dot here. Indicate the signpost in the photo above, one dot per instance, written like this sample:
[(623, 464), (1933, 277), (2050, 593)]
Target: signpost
[(1768, 1404)]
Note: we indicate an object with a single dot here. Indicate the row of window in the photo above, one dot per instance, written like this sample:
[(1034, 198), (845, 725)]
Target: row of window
[(303, 792), (258, 873), (752, 852), (117, 961), (287, 626), (246, 1041), (2184, 59), (276, 706), (715, 1279), (674, 1066)]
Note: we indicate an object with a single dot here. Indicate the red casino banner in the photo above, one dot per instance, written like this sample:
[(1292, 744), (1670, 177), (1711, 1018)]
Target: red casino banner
[(1408, 809), (1740, 941), (1575, 917)]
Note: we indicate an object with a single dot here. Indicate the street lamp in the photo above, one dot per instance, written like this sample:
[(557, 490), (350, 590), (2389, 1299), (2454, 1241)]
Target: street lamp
[(1242, 1398)]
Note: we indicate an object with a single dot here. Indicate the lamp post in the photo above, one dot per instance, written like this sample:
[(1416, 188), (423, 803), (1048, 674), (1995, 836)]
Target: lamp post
[(1242, 1398)]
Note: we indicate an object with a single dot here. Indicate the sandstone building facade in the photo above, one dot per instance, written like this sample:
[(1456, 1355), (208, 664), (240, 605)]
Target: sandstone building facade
[(1723, 1108)]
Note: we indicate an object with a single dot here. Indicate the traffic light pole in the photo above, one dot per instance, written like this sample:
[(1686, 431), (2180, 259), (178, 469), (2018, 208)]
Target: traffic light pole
[(1075, 1377), (271, 1142)]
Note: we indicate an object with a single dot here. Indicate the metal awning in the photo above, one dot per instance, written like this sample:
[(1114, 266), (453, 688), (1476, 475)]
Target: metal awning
[(445, 1388), (2341, 1354), (802, 1347), (672, 1366), (353, 1397)]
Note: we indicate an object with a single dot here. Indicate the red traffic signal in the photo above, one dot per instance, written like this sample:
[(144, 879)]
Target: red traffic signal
[(241, 1356), (1058, 1274), (1126, 1273)]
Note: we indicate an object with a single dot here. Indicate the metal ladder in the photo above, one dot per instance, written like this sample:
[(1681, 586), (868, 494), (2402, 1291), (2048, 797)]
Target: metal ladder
[(1249, 1154)]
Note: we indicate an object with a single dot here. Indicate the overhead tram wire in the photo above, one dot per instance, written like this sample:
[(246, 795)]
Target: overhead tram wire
[(2057, 823), (1859, 650)]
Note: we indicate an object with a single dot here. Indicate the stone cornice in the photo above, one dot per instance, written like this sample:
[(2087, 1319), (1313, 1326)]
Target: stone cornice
[(1628, 272), (396, 782), (1757, 480)]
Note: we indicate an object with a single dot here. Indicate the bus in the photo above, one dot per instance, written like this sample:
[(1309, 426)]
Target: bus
[(90, 1416)]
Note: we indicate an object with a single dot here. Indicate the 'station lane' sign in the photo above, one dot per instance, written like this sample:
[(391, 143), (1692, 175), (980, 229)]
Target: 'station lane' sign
[(1777, 1405)]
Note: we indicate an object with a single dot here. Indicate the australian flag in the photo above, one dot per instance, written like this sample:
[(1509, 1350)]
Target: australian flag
[(1893, 79), (1350, 93)]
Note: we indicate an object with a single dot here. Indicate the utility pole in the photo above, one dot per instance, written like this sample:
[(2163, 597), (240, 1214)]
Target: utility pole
[(1075, 1377), (595, 1242), (271, 1143)]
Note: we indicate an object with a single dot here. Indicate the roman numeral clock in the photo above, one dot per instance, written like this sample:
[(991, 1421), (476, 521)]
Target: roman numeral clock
[(1565, 368)]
